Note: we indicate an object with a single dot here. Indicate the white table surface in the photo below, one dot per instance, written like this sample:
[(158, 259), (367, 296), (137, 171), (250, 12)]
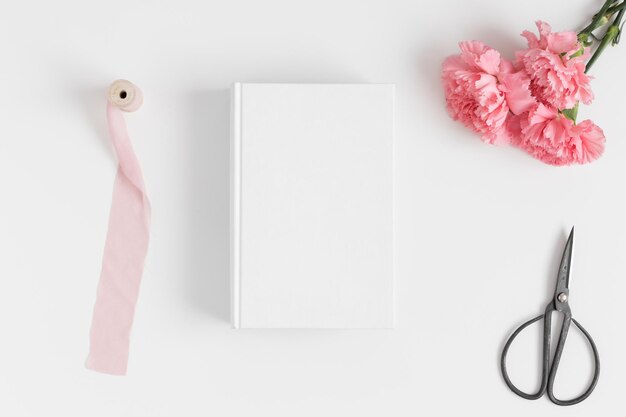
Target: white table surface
[(479, 229)]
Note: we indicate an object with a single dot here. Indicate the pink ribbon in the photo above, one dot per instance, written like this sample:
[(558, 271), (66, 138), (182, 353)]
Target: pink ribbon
[(124, 256)]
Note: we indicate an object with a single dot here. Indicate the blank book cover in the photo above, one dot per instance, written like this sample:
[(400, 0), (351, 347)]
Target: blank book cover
[(312, 206)]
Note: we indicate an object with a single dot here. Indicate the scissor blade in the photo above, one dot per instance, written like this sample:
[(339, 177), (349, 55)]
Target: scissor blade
[(562, 283)]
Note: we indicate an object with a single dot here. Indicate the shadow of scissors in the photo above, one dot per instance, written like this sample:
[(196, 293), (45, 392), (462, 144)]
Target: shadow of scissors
[(559, 303)]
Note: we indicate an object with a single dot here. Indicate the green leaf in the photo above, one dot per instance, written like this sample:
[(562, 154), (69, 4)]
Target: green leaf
[(571, 113)]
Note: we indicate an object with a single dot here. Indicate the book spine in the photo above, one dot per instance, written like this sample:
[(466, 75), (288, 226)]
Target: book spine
[(235, 205)]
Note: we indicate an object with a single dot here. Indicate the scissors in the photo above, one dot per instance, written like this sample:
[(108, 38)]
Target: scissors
[(559, 303)]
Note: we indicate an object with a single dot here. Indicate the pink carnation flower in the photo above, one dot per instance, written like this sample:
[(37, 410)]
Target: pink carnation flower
[(588, 140), (554, 139), (555, 64), (481, 88)]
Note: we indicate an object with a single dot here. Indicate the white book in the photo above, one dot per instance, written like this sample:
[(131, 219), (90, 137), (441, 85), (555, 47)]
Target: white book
[(312, 206)]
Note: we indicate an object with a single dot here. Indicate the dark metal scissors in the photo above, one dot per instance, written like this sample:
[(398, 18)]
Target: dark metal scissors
[(559, 303)]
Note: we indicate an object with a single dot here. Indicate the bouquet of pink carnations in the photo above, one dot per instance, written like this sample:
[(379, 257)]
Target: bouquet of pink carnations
[(532, 102)]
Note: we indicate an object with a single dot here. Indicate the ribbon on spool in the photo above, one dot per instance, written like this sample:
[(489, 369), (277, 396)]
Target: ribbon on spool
[(126, 243)]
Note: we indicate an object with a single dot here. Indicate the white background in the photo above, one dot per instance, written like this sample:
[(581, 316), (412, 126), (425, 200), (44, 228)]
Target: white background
[(479, 229)]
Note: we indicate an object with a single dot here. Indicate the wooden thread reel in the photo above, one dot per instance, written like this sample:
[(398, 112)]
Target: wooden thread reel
[(125, 95)]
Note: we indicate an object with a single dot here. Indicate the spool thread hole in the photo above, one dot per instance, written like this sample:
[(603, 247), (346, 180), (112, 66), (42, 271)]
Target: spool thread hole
[(123, 94)]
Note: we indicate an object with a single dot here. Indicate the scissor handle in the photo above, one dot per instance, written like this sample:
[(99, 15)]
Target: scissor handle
[(546, 357), (557, 359), (548, 372)]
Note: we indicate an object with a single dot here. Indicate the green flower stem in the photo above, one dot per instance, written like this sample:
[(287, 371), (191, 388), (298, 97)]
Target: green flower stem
[(599, 19), (613, 9), (610, 36), (617, 22)]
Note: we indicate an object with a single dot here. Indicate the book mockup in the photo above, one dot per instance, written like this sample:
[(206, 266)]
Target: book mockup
[(312, 206)]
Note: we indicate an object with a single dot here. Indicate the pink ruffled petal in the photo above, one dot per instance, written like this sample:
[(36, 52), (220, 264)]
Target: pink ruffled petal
[(480, 56), (516, 86), (590, 141)]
